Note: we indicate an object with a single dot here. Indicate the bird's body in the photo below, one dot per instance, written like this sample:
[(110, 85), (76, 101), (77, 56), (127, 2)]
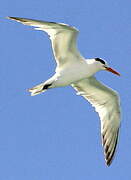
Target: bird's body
[(72, 73), (73, 69)]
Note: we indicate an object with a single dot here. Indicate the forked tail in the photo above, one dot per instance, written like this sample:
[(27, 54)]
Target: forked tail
[(39, 89)]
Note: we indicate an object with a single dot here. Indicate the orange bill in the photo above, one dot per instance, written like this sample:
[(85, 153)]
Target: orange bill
[(113, 71)]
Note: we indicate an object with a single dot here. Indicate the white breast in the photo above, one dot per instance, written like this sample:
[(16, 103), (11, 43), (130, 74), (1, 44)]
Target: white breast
[(74, 72)]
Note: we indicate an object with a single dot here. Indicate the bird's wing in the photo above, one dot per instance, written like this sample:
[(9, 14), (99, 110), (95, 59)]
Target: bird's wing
[(107, 105), (63, 37)]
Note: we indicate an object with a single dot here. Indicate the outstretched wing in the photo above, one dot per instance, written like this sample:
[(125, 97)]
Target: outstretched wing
[(63, 37), (106, 103)]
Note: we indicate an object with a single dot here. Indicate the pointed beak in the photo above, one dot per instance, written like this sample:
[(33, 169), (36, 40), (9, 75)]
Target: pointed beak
[(112, 70)]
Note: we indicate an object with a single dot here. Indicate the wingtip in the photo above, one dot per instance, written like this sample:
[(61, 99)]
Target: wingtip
[(30, 91), (108, 163), (9, 17), (12, 18), (108, 158)]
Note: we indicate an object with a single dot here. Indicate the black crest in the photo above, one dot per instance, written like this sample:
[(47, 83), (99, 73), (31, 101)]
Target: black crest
[(100, 60)]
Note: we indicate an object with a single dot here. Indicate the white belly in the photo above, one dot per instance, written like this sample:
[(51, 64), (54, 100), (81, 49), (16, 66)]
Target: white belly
[(69, 75)]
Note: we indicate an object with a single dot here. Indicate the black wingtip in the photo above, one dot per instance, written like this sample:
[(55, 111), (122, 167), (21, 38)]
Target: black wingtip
[(13, 18), (7, 17), (108, 162), (109, 155)]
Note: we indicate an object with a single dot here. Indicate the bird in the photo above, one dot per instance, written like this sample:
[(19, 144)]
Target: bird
[(74, 70)]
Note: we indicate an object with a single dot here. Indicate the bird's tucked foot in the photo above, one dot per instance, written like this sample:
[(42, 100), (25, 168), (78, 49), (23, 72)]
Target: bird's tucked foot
[(39, 89)]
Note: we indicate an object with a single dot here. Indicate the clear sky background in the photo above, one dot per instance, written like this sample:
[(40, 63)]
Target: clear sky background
[(56, 135)]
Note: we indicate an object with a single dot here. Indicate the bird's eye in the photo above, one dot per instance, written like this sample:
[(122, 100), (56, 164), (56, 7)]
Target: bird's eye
[(100, 60)]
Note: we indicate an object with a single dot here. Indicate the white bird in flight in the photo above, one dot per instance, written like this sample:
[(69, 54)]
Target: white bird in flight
[(73, 69)]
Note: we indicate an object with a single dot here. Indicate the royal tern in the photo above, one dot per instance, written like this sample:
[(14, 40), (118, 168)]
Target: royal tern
[(72, 69)]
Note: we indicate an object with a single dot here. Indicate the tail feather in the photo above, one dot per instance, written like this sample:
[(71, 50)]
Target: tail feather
[(41, 87), (37, 89)]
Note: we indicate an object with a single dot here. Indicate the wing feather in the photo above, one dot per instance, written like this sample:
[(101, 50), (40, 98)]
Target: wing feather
[(63, 37), (107, 104)]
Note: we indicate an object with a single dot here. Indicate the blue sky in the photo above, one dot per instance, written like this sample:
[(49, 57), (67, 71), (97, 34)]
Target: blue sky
[(56, 135)]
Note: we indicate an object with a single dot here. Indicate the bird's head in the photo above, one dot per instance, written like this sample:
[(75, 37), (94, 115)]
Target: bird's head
[(103, 65)]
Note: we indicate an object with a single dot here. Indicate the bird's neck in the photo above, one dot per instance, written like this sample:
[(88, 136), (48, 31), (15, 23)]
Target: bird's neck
[(92, 67)]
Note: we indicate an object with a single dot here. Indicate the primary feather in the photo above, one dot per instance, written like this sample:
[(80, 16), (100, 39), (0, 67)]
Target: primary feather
[(72, 69)]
